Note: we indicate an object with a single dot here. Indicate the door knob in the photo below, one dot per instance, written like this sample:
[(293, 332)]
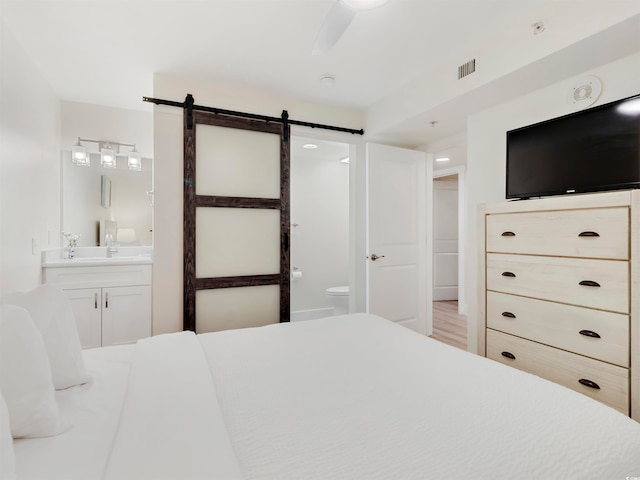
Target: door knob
[(374, 257)]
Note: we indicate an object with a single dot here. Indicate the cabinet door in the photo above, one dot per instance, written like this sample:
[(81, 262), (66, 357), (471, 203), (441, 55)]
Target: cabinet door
[(86, 304), (126, 314)]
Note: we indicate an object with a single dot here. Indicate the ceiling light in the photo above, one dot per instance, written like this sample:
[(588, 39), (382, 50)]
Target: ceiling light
[(309, 146), (328, 80), (108, 156), (362, 4), (442, 159), (134, 160)]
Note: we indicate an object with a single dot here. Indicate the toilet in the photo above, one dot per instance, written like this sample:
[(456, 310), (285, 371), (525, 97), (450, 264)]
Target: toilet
[(339, 299)]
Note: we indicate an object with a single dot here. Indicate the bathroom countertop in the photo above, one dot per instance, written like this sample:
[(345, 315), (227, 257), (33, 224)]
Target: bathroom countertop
[(97, 256)]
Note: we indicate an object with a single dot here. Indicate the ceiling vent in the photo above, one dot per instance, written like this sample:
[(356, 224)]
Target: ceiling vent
[(467, 69)]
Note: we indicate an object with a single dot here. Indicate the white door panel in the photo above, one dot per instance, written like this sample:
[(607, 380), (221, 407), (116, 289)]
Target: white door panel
[(396, 187), (445, 242)]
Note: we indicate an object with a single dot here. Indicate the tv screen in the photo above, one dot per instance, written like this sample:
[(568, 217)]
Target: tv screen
[(589, 151)]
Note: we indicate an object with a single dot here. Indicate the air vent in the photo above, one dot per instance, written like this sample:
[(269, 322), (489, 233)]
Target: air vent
[(467, 69)]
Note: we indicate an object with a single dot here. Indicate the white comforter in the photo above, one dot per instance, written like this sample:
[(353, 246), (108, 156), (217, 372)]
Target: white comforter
[(354, 397)]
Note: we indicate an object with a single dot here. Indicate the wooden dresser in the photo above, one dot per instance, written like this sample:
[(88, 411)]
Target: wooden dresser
[(559, 290)]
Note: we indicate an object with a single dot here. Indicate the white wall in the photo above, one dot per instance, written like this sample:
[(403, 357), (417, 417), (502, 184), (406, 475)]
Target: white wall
[(168, 172), (29, 168), (320, 241), (81, 208), (485, 180)]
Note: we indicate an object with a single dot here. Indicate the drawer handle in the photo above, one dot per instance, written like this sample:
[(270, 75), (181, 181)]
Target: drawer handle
[(508, 274), (95, 301), (589, 283), (508, 315), (589, 383), (508, 234), (589, 234), (508, 355), (589, 333)]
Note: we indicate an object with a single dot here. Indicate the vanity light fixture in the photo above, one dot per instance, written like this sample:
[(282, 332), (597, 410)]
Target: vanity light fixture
[(107, 156), (310, 146), (134, 160), (79, 155), (109, 152), (442, 159)]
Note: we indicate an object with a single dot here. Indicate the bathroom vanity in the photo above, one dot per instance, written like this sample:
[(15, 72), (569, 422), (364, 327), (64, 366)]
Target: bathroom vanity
[(110, 297)]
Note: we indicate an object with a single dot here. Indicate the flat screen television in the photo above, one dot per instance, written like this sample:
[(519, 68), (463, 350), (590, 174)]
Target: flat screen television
[(593, 150)]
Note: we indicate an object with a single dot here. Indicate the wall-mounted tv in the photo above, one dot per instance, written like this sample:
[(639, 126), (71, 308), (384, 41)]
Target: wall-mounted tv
[(592, 150)]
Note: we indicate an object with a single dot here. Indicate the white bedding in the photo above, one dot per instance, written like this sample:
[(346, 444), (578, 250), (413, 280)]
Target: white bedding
[(354, 397), (93, 409)]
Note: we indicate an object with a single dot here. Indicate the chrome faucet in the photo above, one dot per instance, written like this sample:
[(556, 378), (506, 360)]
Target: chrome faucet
[(111, 246)]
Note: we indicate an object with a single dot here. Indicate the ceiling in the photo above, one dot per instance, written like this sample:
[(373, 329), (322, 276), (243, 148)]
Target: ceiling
[(106, 52)]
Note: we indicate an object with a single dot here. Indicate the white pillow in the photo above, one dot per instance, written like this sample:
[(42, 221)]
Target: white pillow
[(52, 313), (25, 377), (7, 457)]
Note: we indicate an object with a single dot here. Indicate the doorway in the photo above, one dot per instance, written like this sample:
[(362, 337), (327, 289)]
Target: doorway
[(449, 307), (319, 227)]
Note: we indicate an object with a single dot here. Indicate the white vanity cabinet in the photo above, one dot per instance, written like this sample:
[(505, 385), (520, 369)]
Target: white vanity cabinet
[(112, 303)]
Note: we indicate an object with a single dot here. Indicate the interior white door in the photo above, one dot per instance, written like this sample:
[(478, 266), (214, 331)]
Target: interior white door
[(396, 235), (445, 239)]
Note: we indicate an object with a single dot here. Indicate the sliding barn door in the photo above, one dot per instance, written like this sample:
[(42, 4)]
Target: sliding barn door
[(236, 222)]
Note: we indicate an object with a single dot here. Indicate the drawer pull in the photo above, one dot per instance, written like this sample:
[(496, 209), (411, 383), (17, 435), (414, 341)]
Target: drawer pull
[(95, 301), (589, 333), (508, 355), (589, 234), (589, 283), (508, 274), (508, 234), (589, 383), (508, 315)]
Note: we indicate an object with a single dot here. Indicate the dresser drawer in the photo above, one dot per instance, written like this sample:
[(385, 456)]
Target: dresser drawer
[(595, 233), (568, 369), (593, 333), (602, 284)]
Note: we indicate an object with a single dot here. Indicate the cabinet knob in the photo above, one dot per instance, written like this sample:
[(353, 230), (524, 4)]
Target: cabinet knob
[(508, 274), (508, 315), (589, 283), (507, 234), (588, 234), (508, 355)]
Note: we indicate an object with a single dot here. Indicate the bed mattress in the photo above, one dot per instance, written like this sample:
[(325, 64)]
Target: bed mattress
[(353, 397)]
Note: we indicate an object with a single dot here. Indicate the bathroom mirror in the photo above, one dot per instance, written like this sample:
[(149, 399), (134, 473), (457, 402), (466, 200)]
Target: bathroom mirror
[(93, 195)]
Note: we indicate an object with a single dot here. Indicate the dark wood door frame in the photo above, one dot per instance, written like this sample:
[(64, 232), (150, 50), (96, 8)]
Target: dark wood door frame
[(192, 201)]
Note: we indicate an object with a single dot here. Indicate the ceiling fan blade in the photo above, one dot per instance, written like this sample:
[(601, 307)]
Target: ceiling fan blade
[(333, 27)]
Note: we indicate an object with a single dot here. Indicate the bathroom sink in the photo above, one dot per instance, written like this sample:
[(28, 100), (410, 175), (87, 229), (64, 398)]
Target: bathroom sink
[(96, 261)]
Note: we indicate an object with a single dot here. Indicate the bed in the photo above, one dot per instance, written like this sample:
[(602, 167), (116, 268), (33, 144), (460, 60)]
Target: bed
[(345, 397)]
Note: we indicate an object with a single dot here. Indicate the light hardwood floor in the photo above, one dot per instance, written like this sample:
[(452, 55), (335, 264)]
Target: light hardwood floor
[(449, 326)]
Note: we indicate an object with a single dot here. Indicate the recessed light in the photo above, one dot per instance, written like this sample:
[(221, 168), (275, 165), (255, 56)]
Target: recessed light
[(309, 146), (442, 159), (328, 80), (363, 4)]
